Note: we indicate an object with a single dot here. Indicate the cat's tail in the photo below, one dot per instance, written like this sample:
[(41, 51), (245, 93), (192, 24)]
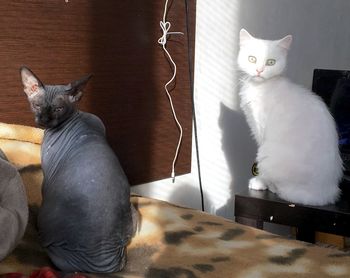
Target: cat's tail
[(310, 195)]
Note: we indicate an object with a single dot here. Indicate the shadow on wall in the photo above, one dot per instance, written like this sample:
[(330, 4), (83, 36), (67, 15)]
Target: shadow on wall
[(240, 151), (187, 195)]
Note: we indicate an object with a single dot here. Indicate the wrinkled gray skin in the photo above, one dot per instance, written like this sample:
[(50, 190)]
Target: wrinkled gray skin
[(13, 207), (85, 220)]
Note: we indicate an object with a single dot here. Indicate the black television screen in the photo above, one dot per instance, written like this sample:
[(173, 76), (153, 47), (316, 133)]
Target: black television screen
[(333, 86)]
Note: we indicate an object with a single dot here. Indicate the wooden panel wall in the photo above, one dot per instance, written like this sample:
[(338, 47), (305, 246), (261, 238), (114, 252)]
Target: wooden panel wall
[(117, 42)]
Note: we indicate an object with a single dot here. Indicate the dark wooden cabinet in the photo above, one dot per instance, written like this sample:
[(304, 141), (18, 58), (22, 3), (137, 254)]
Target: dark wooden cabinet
[(265, 206), (117, 42)]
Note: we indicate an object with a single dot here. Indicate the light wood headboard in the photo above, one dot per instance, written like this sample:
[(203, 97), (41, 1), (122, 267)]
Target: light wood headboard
[(117, 42)]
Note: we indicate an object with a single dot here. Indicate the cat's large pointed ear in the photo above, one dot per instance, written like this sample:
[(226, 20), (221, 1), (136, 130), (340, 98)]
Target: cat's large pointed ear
[(286, 42), (75, 89), (244, 36), (31, 84)]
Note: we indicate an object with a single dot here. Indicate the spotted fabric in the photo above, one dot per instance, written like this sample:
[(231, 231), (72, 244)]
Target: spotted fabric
[(177, 242)]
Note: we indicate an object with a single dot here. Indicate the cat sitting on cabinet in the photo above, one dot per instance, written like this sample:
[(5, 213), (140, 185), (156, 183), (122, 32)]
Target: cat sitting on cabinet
[(298, 155), (85, 220)]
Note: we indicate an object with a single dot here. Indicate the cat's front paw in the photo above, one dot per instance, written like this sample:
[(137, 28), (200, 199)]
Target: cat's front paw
[(256, 184)]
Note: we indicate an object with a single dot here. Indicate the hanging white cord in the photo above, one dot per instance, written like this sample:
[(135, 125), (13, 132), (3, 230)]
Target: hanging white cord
[(165, 26)]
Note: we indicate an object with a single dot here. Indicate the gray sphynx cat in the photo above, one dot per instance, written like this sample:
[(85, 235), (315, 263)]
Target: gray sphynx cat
[(86, 219)]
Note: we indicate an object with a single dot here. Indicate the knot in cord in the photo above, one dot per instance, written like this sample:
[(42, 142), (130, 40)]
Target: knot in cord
[(165, 26)]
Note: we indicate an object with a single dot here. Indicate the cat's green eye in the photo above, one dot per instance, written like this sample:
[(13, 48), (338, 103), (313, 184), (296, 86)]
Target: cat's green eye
[(36, 106), (270, 62), (252, 59)]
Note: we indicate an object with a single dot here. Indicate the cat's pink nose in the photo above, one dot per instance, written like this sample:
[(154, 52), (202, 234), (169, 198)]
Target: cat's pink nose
[(258, 71)]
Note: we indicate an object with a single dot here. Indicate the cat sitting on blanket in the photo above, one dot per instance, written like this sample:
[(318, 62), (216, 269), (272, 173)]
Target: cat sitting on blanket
[(298, 156), (85, 220)]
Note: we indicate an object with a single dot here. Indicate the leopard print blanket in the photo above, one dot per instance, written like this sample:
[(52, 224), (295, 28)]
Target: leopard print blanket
[(174, 241)]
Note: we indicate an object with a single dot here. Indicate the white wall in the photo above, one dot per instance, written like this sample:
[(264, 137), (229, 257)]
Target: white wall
[(320, 29), (321, 40), (216, 103)]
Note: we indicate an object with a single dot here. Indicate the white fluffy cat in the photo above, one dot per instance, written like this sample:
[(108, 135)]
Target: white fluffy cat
[(298, 156)]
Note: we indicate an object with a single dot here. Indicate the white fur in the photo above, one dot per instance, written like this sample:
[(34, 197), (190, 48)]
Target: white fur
[(298, 155)]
